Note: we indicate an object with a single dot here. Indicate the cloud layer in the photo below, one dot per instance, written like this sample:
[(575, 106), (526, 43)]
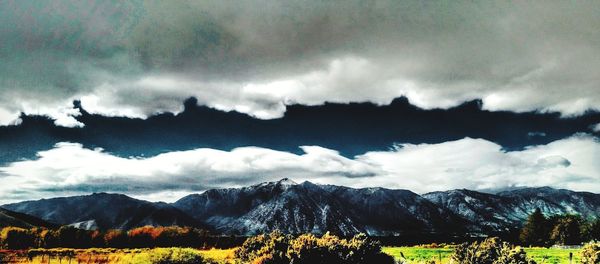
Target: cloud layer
[(256, 57), (467, 163)]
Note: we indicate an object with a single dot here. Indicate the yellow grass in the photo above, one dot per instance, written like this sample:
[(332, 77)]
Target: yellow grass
[(221, 255), (100, 255)]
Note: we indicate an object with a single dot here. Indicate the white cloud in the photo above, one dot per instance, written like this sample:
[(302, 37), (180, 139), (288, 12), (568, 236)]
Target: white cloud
[(70, 168), (8, 117), (596, 127), (467, 163)]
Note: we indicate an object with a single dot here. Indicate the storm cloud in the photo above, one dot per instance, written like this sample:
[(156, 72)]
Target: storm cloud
[(139, 58), (158, 99)]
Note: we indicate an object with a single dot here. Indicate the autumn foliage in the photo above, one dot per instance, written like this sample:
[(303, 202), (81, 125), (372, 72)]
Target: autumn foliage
[(142, 237)]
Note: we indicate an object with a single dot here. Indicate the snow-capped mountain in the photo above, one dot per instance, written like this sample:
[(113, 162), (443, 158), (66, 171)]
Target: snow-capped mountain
[(307, 207), (509, 209)]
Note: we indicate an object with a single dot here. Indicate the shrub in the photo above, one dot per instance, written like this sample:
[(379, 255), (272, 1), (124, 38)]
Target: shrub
[(277, 248), (17, 238), (265, 249), (590, 253), (490, 251)]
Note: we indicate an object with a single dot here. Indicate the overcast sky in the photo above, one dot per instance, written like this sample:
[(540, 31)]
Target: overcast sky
[(419, 95)]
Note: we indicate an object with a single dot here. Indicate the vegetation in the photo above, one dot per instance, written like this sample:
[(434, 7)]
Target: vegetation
[(279, 248), (590, 253), (420, 254), (489, 251), (187, 245), (17, 238), (413, 255), (540, 231), (442, 254), (143, 237), (171, 256), (535, 231), (567, 230), (591, 230), (112, 255)]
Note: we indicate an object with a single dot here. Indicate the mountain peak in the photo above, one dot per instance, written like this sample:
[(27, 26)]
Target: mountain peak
[(287, 181)]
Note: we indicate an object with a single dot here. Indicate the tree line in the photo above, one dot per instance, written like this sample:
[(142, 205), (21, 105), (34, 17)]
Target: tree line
[(540, 230), (142, 237)]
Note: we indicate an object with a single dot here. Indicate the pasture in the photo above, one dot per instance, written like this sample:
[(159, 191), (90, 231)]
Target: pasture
[(414, 254), (418, 254)]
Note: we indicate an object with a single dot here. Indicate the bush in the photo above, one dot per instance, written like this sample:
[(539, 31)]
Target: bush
[(277, 248), (590, 253), (17, 238), (490, 251), (264, 249), (171, 256)]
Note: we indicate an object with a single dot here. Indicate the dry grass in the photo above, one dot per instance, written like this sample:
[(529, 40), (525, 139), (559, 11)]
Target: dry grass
[(100, 255)]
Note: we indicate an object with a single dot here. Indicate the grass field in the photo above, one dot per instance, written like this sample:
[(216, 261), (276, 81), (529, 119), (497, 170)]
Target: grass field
[(552, 255), (422, 255), (101, 255), (410, 254)]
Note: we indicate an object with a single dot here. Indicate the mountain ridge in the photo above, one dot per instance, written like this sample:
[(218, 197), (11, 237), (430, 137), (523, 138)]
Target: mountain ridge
[(16, 219), (307, 207), (107, 210)]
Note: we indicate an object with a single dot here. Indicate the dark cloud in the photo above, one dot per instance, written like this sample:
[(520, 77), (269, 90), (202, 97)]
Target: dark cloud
[(138, 58)]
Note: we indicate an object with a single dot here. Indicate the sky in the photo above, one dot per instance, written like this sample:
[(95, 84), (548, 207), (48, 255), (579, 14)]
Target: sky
[(159, 99)]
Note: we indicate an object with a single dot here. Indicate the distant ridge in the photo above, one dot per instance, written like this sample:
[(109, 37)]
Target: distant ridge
[(10, 218), (104, 211), (307, 207)]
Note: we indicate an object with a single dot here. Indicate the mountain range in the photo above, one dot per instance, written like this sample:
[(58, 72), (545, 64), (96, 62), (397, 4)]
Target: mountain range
[(307, 207)]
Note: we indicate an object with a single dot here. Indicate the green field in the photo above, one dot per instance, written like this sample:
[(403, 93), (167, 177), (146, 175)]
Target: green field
[(419, 254), (422, 255)]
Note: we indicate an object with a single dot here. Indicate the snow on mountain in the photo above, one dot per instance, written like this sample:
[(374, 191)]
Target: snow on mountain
[(307, 207), (509, 209)]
